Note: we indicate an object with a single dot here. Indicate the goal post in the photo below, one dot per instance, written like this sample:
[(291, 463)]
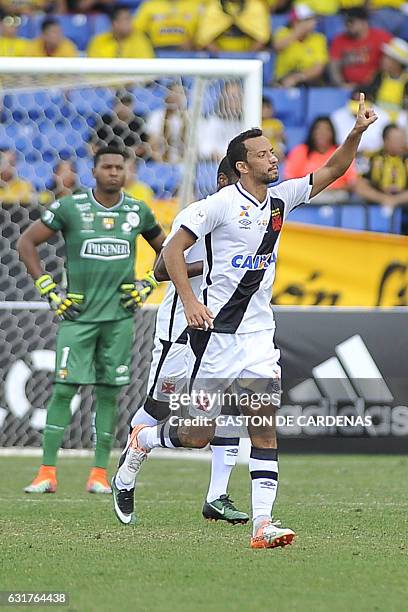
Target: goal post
[(49, 107)]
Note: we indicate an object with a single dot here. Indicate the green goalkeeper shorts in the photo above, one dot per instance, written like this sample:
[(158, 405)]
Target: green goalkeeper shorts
[(94, 353)]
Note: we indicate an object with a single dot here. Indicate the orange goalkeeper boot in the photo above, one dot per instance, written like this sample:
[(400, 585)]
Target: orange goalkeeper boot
[(45, 481), (98, 481)]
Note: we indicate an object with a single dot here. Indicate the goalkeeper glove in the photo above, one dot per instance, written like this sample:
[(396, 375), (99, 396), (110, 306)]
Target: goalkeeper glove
[(63, 307), (135, 294)]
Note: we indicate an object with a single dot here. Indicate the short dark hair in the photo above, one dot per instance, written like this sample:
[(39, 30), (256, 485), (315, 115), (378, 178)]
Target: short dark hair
[(114, 12), (356, 12), (109, 151), (48, 23), (225, 168), (388, 128), (237, 150)]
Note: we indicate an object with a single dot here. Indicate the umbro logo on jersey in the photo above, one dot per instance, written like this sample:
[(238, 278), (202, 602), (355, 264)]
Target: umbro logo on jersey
[(245, 223), (253, 262)]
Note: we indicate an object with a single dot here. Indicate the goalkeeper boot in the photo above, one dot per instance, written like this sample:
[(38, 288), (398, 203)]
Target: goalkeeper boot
[(45, 481), (223, 509), (98, 481), (270, 534)]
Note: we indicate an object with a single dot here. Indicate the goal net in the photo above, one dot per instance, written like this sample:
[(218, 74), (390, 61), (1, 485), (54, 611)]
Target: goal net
[(175, 117)]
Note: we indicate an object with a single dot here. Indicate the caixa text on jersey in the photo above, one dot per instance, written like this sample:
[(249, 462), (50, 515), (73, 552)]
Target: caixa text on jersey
[(253, 262)]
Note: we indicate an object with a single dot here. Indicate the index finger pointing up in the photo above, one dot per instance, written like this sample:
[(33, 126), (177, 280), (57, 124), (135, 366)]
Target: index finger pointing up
[(362, 100)]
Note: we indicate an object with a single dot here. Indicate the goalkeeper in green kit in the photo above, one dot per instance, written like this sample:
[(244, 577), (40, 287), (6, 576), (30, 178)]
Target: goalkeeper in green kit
[(95, 334)]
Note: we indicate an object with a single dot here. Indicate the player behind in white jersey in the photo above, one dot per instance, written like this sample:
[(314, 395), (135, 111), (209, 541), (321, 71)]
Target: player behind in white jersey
[(167, 375), (231, 327)]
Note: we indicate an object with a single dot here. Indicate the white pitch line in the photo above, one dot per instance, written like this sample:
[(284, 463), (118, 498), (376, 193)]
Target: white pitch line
[(159, 453)]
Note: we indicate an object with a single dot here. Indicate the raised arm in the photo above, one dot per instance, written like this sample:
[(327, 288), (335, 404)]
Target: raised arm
[(197, 315), (341, 159)]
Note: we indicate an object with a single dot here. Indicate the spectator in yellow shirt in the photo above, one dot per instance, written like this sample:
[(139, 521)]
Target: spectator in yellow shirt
[(12, 189), (135, 188), (122, 40), (234, 26), (168, 23), (302, 53), (273, 128), (10, 44), (390, 85), (52, 42)]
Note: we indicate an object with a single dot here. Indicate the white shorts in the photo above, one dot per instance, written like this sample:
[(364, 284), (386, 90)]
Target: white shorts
[(248, 362), (168, 369)]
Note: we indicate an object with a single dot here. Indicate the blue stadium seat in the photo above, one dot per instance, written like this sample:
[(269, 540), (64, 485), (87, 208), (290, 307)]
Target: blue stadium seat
[(295, 136), (325, 100), (26, 28), (84, 170), (316, 215), (78, 28), (289, 104), (90, 101), (267, 59), (179, 53), (396, 221), (206, 178), (379, 219), (39, 173), (163, 178), (100, 23), (354, 216), (331, 26), (148, 99), (391, 20), (279, 21)]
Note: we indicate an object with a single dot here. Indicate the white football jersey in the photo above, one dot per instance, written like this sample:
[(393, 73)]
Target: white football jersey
[(241, 239), (170, 321)]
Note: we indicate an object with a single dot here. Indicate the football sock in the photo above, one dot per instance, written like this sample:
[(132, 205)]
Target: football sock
[(105, 422), (141, 417), (58, 418), (224, 457), (263, 468), (164, 435)]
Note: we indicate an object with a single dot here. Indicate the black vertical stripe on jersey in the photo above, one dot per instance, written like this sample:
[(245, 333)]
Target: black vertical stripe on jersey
[(172, 311), (199, 340), (165, 351), (231, 314), (182, 339), (208, 250)]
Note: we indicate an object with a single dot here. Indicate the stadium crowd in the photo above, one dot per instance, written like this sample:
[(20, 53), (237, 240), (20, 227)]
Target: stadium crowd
[(317, 54)]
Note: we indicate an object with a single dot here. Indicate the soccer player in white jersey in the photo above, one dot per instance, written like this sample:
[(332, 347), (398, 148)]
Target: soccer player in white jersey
[(231, 325), (167, 375)]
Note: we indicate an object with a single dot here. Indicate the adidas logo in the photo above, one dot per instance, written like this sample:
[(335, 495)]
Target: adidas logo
[(350, 375)]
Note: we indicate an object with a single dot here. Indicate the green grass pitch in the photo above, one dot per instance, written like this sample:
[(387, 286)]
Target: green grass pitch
[(351, 553)]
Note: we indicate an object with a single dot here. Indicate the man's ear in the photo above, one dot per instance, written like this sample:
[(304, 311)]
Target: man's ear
[(242, 167), (93, 171)]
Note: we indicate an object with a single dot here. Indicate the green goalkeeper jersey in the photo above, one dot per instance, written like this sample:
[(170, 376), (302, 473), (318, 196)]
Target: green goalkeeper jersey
[(100, 247)]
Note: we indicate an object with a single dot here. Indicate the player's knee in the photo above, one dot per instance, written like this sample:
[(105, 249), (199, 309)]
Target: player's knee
[(195, 437), (156, 409), (64, 392)]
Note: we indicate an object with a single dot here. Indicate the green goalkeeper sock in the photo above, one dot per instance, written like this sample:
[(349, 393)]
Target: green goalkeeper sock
[(58, 417), (105, 422)]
